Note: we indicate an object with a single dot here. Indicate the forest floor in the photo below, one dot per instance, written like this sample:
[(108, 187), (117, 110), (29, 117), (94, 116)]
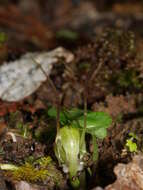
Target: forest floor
[(104, 33)]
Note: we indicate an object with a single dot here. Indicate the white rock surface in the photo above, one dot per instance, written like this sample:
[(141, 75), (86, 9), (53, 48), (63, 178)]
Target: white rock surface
[(22, 77)]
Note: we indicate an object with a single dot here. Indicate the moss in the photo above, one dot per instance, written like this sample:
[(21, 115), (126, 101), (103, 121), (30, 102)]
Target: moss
[(27, 172), (44, 161), (40, 170)]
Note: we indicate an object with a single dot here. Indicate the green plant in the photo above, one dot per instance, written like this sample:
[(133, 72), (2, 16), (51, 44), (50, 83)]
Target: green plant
[(70, 144), (130, 144), (73, 125)]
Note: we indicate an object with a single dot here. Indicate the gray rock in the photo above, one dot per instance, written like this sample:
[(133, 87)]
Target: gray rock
[(22, 77)]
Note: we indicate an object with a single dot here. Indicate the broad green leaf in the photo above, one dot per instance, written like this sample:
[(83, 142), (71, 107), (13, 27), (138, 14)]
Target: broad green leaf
[(96, 121)]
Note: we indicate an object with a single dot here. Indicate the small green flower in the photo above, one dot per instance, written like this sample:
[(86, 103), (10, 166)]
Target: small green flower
[(68, 153)]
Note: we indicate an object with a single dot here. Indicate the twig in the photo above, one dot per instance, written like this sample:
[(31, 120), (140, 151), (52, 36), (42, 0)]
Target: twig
[(55, 92), (94, 74), (87, 82)]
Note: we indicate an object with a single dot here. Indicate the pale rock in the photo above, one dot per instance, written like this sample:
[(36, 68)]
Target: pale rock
[(22, 77), (129, 176)]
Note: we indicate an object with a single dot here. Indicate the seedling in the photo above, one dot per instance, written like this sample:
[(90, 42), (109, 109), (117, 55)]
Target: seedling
[(130, 144)]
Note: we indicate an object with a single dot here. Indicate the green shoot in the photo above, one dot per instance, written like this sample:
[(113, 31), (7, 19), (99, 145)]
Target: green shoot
[(130, 144)]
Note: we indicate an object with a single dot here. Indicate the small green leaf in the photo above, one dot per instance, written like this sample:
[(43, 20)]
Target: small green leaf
[(133, 135), (52, 112), (100, 133), (74, 113), (131, 145), (66, 116)]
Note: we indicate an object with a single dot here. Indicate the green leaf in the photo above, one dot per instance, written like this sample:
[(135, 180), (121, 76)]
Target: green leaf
[(66, 116), (133, 135), (100, 133), (97, 122), (74, 113), (52, 112), (131, 145)]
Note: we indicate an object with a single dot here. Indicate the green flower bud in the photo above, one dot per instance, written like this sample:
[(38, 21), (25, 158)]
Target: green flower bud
[(67, 150)]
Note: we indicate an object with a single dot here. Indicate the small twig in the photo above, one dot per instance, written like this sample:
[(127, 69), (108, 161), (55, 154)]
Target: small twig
[(87, 82), (94, 74), (55, 92), (85, 109)]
